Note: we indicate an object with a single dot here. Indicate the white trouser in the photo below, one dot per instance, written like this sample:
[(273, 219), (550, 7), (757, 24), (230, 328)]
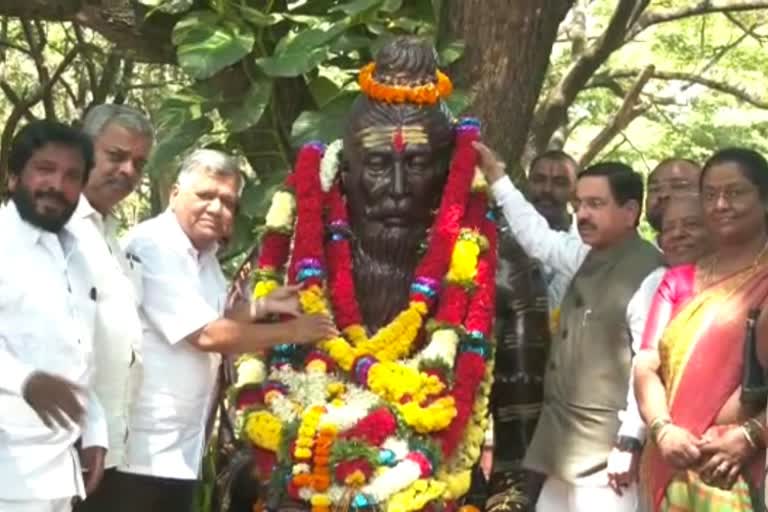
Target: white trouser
[(588, 494), (58, 505)]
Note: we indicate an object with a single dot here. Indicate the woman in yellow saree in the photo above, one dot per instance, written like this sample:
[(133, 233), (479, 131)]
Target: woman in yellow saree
[(707, 448)]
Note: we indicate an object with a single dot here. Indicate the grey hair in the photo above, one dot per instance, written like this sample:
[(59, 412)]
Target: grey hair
[(210, 161), (101, 116)]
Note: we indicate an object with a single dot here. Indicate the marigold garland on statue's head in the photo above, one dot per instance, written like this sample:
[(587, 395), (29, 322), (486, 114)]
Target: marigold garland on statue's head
[(426, 94)]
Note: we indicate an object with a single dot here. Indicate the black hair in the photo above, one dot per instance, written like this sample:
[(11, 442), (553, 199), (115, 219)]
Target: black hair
[(625, 184), (37, 134), (752, 165), (554, 155)]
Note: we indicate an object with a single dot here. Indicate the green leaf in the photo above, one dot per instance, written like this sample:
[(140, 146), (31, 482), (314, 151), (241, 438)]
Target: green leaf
[(451, 52), (168, 6), (177, 141), (303, 52), (207, 43), (391, 6), (323, 90), (356, 7), (259, 18), (326, 124), (257, 196), (179, 108), (241, 115), (458, 102)]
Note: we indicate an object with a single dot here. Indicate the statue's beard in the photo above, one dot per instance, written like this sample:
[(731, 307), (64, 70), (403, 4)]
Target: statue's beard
[(385, 259)]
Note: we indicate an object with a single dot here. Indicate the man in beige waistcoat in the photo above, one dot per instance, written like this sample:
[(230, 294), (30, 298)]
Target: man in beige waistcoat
[(603, 310)]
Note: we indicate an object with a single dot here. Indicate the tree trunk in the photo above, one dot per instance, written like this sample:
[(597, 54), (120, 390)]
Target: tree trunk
[(506, 58)]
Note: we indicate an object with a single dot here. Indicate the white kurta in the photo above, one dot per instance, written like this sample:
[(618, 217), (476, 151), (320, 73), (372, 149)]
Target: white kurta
[(47, 309), (183, 290), (117, 340)]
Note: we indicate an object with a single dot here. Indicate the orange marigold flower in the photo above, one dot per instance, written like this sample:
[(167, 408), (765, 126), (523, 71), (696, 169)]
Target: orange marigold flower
[(427, 94)]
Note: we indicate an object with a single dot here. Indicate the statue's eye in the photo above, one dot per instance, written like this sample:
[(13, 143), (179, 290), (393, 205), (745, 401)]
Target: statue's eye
[(376, 162), (418, 162)]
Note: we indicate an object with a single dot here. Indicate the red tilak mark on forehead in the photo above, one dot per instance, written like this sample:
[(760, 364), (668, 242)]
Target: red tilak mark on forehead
[(398, 141)]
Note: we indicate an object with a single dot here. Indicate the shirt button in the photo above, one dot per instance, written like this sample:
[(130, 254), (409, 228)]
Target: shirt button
[(564, 333), (552, 365)]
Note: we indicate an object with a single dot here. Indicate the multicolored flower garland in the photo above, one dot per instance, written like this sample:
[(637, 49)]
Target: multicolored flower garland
[(396, 424)]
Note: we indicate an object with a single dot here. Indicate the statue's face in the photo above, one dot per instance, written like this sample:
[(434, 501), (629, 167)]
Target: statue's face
[(393, 177)]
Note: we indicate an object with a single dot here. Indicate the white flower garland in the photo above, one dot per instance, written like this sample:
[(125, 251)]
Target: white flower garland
[(281, 211), (329, 165)]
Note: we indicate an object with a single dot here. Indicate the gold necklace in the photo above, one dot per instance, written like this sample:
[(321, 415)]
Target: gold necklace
[(711, 270)]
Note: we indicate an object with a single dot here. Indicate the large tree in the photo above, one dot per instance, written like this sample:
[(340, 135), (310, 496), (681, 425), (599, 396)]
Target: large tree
[(261, 77)]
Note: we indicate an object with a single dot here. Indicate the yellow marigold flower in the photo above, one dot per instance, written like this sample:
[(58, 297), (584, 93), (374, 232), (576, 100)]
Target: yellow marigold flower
[(302, 453), (320, 500), (434, 417), (264, 287), (264, 429), (355, 479), (463, 267), (336, 388), (317, 366)]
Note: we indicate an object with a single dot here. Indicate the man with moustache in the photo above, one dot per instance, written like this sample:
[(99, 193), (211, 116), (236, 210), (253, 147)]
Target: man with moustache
[(185, 327), (122, 139), (47, 309), (587, 374), (672, 177), (527, 292)]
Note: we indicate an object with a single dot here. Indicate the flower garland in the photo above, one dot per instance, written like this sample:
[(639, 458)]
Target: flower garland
[(427, 94), (366, 418)]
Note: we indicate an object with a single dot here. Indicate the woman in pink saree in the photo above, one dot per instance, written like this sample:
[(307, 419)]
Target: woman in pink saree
[(707, 448)]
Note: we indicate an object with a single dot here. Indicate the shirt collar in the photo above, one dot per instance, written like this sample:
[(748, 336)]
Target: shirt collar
[(32, 235), (180, 239)]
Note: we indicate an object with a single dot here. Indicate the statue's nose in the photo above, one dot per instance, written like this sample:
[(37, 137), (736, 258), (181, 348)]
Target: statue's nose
[(399, 181)]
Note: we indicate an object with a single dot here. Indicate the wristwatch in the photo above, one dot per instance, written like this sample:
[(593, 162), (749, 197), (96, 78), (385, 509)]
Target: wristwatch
[(628, 444)]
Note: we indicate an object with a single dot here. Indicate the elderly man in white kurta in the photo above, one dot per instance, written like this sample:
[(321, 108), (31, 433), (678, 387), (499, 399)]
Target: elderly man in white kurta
[(122, 138), (47, 308), (185, 328)]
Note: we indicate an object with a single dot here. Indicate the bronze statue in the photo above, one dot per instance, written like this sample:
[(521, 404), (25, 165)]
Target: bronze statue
[(389, 232)]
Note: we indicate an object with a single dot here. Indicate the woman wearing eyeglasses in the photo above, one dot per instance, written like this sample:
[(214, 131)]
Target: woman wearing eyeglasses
[(707, 448)]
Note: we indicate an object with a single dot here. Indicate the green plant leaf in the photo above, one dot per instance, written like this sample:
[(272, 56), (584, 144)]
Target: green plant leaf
[(391, 6), (326, 124), (259, 18), (168, 6), (241, 115), (303, 52), (323, 90), (177, 141), (207, 43), (179, 108), (356, 7), (257, 196), (458, 102), (451, 52)]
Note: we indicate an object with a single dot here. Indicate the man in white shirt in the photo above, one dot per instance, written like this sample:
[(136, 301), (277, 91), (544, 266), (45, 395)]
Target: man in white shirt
[(527, 293), (47, 308), (122, 139), (589, 364), (181, 311)]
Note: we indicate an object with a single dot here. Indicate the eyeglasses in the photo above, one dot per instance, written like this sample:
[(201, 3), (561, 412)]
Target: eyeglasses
[(731, 195)]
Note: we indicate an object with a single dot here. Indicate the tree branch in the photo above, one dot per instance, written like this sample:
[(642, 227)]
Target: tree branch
[(627, 113), (656, 16), (35, 36), (18, 112), (553, 110), (15, 100), (709, 83), (90, 67)]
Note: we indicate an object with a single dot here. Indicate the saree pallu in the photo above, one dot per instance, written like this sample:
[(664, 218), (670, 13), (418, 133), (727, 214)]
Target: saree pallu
[(701, 367)]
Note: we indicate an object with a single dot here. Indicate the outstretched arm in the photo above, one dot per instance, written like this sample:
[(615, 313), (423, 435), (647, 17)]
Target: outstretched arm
[(560, 250)]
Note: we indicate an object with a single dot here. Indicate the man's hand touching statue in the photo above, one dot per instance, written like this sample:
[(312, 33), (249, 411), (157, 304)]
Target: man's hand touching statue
[(284, 301), (489, 163)]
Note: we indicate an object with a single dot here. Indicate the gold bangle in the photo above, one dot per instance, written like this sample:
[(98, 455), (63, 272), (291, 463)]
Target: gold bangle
[(748, 436), (753, 431), (657, 426)]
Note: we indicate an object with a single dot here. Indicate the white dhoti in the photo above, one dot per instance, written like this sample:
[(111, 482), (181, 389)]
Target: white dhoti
[(588, 494)]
